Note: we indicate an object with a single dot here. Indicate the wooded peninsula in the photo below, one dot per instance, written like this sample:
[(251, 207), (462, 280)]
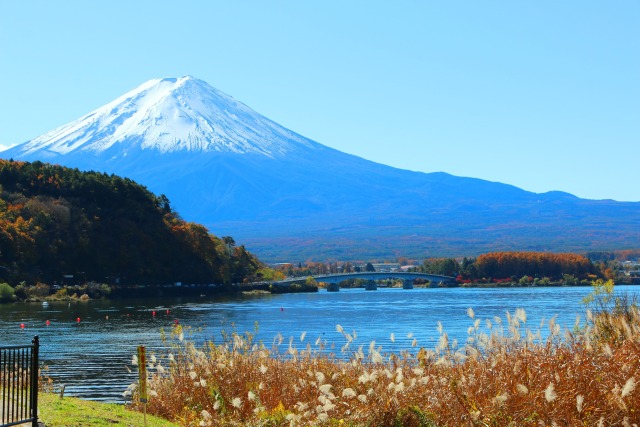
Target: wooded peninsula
[(58, 223)]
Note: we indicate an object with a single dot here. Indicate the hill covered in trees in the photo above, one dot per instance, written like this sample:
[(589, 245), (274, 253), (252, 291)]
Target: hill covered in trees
[(57, 222)]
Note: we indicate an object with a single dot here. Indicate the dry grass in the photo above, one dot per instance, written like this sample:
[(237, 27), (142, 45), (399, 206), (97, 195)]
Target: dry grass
[(503, 376)]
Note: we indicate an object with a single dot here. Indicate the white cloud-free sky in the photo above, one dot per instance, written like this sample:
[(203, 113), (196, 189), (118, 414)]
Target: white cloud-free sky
[(544, 95)]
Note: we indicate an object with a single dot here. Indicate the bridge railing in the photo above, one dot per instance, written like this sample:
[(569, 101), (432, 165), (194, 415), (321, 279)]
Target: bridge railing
[(19, 384)]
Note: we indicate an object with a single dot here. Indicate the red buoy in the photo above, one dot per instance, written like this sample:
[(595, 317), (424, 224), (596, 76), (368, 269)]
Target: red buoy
[(167, 311), (175, 322), (21, 325), (153, 313), (47, 322), (78, 320)]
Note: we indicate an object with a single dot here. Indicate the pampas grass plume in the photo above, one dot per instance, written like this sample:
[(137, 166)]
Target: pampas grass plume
[(628, 388), (550, 393)]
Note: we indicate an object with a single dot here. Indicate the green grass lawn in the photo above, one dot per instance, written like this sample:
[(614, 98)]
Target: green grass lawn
[(72, 412)]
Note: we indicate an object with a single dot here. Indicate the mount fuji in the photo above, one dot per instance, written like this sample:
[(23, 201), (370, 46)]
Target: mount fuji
[(168, 116), (289, 198)]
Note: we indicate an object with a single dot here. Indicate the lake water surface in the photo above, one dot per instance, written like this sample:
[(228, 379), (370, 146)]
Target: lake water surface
[(91, 356)]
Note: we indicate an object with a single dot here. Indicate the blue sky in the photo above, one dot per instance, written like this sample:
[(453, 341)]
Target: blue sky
[(544, 95)]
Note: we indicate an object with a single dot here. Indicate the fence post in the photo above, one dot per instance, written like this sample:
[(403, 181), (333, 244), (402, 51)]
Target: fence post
[(34, 380)]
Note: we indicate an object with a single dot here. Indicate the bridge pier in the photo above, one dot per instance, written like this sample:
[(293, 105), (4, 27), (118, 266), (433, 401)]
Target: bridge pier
[(407, 284), (333, 287)]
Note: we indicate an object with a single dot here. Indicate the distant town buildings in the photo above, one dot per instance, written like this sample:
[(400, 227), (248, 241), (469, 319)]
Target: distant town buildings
[(631, 268), (386, 267)]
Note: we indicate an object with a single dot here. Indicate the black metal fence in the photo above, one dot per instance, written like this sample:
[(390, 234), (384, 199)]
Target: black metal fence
[(19, 384)]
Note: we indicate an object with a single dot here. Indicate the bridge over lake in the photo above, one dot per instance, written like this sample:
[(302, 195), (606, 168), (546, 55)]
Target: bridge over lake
[(407, 277)]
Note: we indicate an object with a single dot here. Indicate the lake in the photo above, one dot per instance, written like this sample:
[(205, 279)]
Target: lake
[(88, 346)]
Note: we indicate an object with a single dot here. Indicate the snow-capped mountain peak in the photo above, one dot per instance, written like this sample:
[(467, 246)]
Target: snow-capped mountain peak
[(169, 115), (225, 166)]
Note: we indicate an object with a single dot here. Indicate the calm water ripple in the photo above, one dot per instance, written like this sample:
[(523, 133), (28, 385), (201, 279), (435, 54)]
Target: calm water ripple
[(92, 357)]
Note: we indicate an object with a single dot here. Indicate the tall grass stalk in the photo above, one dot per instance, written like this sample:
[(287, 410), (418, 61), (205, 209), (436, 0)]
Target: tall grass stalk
[(504, 375)]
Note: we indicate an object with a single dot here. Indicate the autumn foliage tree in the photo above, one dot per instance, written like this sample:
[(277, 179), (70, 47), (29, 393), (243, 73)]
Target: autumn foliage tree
[(540, 264), (444, 266), (56, 221)]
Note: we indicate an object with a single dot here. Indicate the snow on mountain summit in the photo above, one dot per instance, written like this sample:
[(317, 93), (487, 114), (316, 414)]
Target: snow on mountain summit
[(168, 115)]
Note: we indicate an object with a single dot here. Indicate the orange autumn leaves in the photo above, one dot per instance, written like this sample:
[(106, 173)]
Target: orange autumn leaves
[(543, 264)]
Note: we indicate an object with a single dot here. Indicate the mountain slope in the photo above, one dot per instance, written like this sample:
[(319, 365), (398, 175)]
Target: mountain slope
[(289, 198)]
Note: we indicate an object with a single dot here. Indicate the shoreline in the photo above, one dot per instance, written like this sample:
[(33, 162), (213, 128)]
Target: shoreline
[(264, 289)]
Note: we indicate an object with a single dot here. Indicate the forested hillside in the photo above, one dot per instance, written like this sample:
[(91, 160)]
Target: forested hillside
[(56, 221)]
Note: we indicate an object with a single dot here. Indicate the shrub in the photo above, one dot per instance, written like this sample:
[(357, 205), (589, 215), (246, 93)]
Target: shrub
[(525, 280), (7, 293), (21, 291), (98, 290), (569, 280), (40, 290), (61, 294), (613, 319)]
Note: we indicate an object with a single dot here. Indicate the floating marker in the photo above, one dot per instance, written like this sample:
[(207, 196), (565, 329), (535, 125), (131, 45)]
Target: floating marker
[(167, 311), (78, 320), (48, 322), (153, 313), (21, 325), (175, 322)]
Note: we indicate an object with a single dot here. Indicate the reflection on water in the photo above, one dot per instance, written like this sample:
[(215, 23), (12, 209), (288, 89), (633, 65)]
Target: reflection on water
[(88, 345)]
